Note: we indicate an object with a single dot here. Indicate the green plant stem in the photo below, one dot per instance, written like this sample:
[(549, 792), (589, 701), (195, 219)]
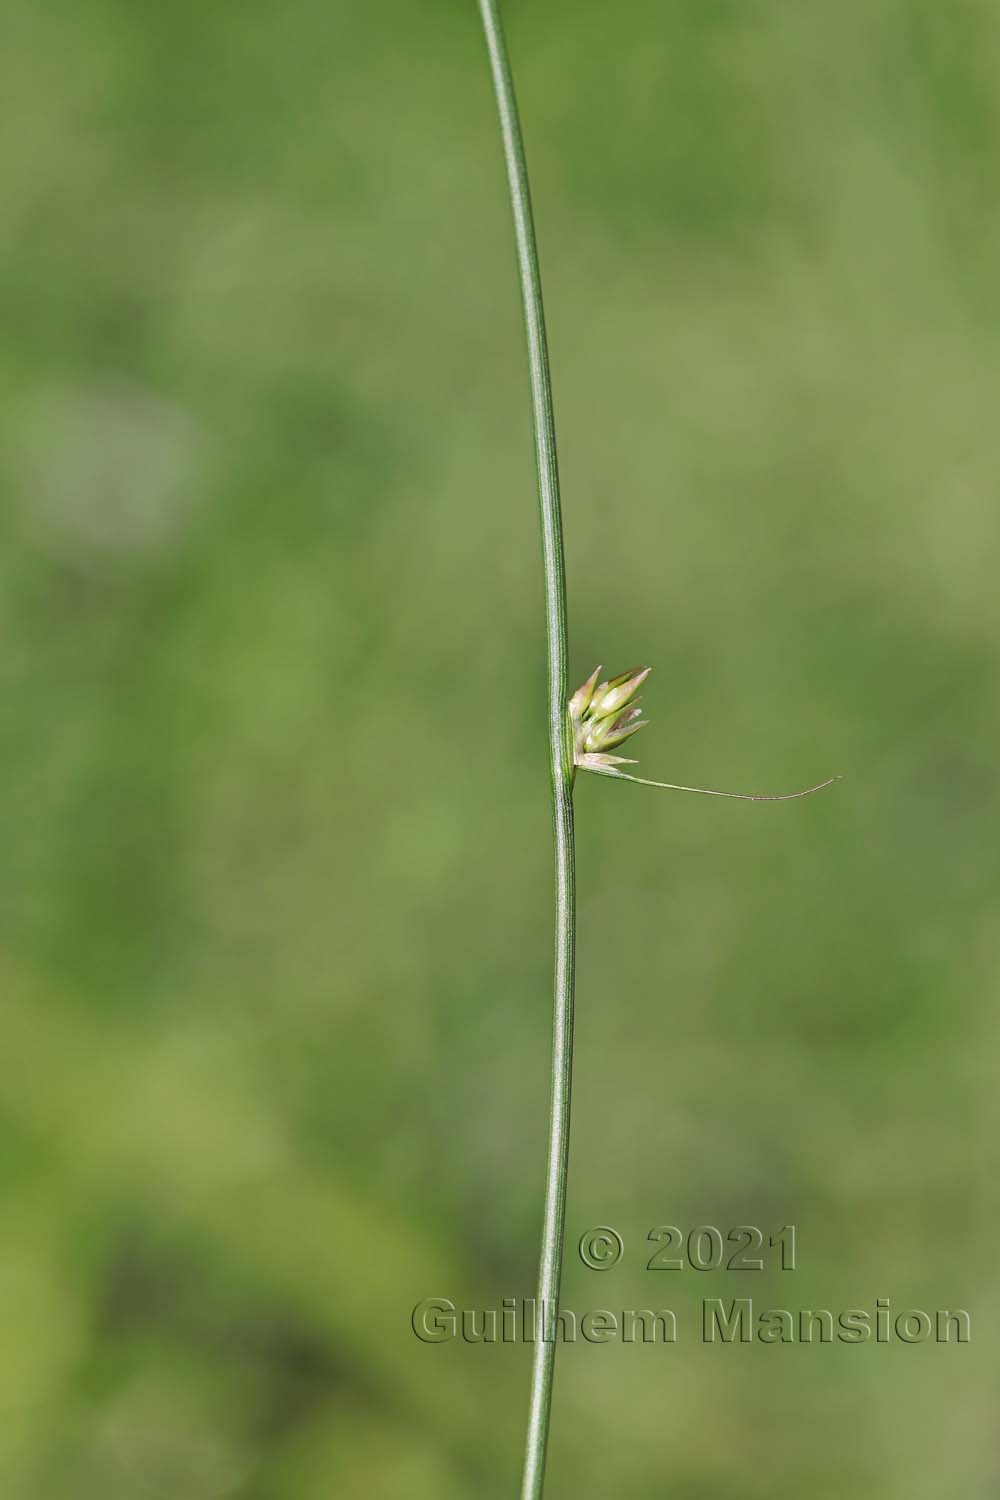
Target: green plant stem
[(560, 756)]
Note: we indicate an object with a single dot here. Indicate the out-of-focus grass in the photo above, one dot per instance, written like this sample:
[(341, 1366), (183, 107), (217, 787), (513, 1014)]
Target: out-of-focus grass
[(274, 817)]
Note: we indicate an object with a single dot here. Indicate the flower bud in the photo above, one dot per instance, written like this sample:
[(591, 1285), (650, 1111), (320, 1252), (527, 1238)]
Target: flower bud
[(606, 733), (580, 701), (603, 762), (615, 694)]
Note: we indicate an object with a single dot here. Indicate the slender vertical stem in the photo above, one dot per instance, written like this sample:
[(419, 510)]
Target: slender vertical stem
[(560, 759)]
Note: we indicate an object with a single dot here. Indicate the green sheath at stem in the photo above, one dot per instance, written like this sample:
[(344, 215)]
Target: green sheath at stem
[(560, 754)]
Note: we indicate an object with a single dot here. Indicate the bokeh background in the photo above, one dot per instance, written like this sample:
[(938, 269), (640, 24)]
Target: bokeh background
[(275, 831)]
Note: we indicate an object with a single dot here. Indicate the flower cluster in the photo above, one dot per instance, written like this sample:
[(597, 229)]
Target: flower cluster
[(603, 716)]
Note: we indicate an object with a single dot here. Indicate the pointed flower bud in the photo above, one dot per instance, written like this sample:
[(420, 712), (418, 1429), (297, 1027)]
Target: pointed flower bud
[(613, 695), (603, 762), (605, 734), (580, 701)]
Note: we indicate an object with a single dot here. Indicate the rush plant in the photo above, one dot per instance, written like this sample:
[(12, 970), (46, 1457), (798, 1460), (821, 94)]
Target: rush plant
[(583, 730)]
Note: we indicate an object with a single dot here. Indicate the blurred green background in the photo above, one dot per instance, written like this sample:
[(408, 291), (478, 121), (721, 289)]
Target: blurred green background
[(275, 830)]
